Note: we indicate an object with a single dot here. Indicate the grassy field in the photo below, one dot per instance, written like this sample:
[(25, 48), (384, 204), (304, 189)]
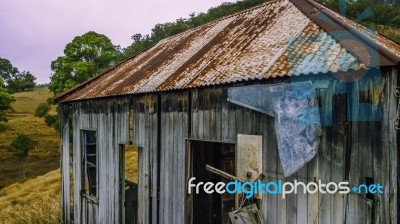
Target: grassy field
[(26, 102), (35, 201), (44, 157), (29, 188)]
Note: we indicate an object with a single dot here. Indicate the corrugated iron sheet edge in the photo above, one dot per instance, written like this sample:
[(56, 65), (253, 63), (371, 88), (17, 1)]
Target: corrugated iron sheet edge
[(262, 80), (311, 8)]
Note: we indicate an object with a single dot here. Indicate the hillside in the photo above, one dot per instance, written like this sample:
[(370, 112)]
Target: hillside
[(44, 157), (34, 201), (26, 102)]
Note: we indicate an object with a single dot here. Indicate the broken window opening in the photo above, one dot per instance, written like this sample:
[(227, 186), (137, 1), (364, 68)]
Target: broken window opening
[(89, 163)]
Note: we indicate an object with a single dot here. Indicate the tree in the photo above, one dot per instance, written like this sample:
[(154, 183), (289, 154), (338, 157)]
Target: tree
[(85, 57), (21, 82), (5, 103), (42, 110), (13, 80), (163, 30), (21, 145), (382, 12), (7, 71)]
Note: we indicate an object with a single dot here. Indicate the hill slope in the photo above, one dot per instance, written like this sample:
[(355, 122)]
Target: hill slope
[(34, 201), (44, 157)]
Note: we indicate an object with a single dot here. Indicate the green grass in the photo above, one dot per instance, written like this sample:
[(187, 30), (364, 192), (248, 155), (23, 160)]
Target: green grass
[(26, 102)]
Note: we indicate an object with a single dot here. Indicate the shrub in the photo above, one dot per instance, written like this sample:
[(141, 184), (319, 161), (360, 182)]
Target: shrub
[(5, 103), (50, 120), (42, 110), (21, 145)]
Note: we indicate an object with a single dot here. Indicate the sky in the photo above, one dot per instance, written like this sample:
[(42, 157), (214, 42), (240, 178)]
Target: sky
[(34, 33)]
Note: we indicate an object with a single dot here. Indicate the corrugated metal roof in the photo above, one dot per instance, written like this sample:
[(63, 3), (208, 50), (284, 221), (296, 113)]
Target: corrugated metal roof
[(275, 39)]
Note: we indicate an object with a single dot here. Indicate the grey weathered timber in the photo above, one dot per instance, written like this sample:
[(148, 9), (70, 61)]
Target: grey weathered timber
[(350, 150), (65, 165)]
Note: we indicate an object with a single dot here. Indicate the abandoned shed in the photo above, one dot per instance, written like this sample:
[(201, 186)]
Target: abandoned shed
[(310, 95)]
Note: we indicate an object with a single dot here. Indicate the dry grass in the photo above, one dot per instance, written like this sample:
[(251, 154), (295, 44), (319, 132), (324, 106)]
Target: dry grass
[(37, 200), (45, 156), (131, 163), (25, 196), (34, 201), (26, 102)]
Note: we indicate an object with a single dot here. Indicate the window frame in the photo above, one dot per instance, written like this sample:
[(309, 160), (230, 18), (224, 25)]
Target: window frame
[(86, 191)]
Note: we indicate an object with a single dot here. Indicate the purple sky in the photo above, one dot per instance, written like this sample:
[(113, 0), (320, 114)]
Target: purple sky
[(34, 32)]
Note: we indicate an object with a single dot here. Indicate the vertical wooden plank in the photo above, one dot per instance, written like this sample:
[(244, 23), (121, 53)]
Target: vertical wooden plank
[(154, 150), (388, 138), (353, 212), (291, 203), (77, 165), (224, 116), (169, 169), (313, 199), (271, 169), (239, 121), (182, 159), (162, 155), (338, 155), (393, 153), (218, 96), (65, 167), (195, 114), (176, 137), (325, 158), (302, 199), (207, 114)]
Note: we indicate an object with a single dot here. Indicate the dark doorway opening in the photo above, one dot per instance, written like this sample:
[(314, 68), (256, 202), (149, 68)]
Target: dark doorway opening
[(212, 208)]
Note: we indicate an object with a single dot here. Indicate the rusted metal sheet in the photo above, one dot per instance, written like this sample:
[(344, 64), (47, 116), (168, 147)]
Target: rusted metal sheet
[(274, 39)]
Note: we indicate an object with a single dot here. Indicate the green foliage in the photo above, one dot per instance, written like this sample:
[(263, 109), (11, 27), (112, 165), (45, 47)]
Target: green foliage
[(21, 82), (14, 80), (85, 57), (383, 12), (7, 70), (5, 103), (163, 30), (52, 121), (21, 145), (42, 110)]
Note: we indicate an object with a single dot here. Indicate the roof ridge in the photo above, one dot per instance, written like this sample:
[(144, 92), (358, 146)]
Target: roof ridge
[(268, 2), (310, 8)]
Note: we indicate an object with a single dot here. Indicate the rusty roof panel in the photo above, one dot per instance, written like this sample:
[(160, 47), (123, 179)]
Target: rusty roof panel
[(275, 39)]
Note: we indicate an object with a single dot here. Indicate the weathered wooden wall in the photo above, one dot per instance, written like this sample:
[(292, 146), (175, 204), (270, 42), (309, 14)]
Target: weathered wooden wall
[(349, 150), (110, 119)]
